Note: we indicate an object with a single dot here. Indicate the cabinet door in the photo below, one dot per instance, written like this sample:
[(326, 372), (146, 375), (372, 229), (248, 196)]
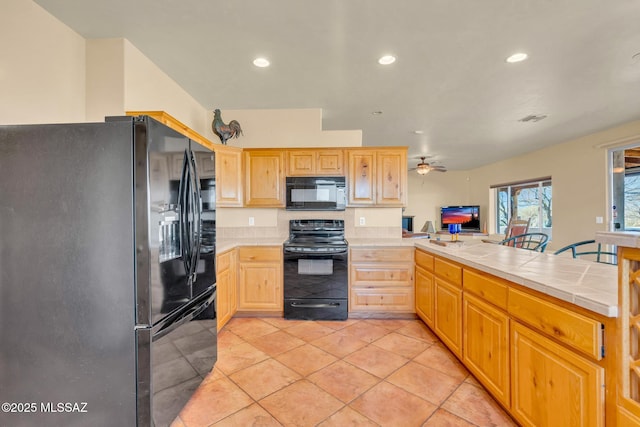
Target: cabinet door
[(391, 170), (223, 298), (229, 177), (362, 177), (425, 296), (264, 178), (486, 346), (552, 386), (176, 161), (206, 165), (330, 163), (226, 298), (260, 287), (301, 163), (448, 315)]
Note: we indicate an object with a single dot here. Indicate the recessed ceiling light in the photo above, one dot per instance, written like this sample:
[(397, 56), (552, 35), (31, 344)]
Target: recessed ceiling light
[(376, 113), (516, 57), (261, 62), (418, 132), (387, 59)]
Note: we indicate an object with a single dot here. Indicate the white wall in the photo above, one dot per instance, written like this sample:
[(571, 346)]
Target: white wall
[(42, 67)]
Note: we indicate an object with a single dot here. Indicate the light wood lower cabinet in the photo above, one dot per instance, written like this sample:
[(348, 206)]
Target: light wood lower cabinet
[(425, 287), (425, 296), (448, 303), (552, 386), (381, 280), (227, 296), (260, 278), (448, 315), (486, 346)]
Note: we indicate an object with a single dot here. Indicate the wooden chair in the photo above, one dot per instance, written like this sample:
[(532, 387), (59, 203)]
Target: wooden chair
[(515, 227), (529, 241), (589, 249)]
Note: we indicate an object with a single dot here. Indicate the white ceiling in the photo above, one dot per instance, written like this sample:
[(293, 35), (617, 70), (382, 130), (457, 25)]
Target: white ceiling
[(450, 79)]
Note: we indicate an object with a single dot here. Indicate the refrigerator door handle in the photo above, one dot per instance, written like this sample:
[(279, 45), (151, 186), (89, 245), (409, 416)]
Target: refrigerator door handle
[(197, 209), (183, 194)]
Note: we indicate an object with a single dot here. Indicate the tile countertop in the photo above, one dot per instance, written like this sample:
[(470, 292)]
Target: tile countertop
[(223, 245), (629, 239), (587, 284)]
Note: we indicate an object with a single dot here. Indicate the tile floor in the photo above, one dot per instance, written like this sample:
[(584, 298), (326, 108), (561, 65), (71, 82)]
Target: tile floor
[(273, 372)]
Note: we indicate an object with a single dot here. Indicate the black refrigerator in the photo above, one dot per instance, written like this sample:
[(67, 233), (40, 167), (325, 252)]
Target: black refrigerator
[(107, 286)]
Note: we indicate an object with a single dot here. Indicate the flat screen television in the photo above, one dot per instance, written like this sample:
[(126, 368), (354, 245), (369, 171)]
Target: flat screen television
[(468, 216)]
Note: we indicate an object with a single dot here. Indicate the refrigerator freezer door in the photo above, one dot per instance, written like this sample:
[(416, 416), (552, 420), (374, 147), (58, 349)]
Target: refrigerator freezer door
[(66, 274)]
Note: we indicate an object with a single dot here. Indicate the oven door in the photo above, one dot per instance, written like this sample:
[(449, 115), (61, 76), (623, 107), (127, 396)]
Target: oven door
[(312, 275)]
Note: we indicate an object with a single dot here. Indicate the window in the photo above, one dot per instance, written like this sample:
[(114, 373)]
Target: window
[(625, 188), (632, 200), (524, 200)]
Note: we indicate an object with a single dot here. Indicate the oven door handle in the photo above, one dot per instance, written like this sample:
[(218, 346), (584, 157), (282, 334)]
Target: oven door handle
[(294, 252), (312, 305)]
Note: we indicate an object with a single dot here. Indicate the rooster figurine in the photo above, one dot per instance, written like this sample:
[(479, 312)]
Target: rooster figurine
[(223, 130)]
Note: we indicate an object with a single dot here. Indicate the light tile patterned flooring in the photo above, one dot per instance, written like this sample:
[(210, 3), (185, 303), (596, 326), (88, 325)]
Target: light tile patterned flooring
[(272, 372)]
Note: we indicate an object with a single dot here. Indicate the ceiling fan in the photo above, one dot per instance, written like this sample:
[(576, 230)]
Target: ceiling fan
[(424, 168)]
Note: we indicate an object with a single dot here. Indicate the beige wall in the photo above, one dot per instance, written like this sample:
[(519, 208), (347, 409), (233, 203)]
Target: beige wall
[(274, 223), (286, 128), (42, 67), (105, 78)]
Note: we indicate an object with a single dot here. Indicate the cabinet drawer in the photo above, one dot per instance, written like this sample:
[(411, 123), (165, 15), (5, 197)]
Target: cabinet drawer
[(382, 299), (381, 275), (447, 270), (573, 329), (223, 261), (260, 253), (424, 260), (382, 254), (491, 289)]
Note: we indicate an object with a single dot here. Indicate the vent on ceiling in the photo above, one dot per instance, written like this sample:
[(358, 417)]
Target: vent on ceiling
[(532, 118)]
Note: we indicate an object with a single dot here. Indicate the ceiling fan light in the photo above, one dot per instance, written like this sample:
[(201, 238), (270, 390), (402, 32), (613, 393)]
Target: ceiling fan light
[(422, 169)]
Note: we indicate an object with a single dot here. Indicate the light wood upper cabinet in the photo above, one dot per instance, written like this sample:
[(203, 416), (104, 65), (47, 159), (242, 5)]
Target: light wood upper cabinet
[(264, 178), (391, 171), (206, 164), (362, 170), (176, 160), (315, 162), (377, 176), (229, 176)]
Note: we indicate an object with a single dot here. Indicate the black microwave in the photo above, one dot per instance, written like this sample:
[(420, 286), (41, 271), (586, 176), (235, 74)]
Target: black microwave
[(316, 193)]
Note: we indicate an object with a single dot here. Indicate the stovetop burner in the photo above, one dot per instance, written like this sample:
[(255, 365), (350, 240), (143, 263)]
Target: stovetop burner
[(316, 235)]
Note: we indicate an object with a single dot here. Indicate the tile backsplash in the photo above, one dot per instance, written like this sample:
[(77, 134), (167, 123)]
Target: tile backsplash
[(274, 223)]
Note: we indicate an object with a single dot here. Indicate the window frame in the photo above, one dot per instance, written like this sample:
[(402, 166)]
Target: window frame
[(505, 209)]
